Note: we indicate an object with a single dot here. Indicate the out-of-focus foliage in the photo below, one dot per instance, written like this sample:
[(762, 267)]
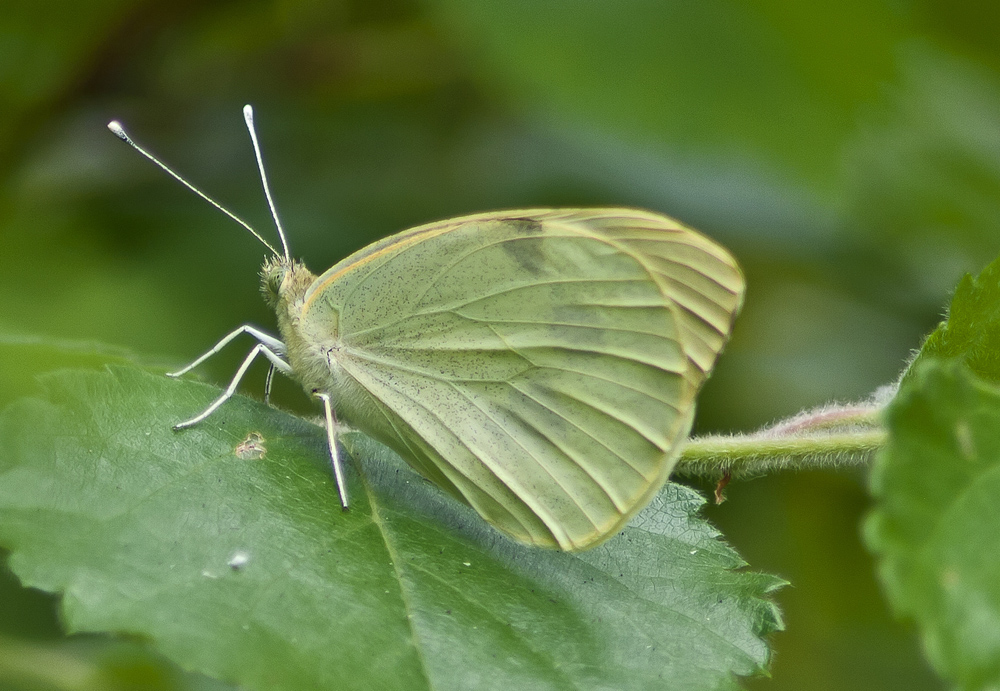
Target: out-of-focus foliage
[(93, 664), (848, 153), (935, 528)]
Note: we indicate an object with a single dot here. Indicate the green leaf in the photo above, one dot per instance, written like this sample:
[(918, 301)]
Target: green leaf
[(34, 653), (971, 332), (935, 527), (244, 567)]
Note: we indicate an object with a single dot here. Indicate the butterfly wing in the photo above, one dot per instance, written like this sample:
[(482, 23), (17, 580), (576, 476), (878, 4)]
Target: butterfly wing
[(541, 365)]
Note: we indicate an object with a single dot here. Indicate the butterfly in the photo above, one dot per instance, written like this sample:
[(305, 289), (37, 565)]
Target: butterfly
[(540, 365)]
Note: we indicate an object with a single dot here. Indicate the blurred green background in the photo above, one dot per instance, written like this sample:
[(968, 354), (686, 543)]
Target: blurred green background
[(848, 153)]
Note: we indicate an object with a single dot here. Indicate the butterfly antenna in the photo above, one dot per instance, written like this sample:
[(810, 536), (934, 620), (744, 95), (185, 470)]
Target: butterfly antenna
[(248, 116), (119, 132)]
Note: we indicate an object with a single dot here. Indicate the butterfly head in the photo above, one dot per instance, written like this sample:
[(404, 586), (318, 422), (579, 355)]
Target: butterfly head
[(284, 281)]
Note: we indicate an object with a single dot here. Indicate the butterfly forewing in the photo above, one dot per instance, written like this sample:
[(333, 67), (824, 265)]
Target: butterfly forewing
[(541, 364)]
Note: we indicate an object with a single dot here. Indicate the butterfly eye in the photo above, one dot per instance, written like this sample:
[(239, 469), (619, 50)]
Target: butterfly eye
[(272, 276), (274, 282)]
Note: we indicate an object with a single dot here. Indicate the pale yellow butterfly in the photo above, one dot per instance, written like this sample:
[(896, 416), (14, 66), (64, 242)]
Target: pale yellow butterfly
[(540, 365)]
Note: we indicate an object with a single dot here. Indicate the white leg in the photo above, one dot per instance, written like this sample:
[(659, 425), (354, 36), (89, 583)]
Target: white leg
[(331, 439), (271, 342), (267, 384), (276, 362)]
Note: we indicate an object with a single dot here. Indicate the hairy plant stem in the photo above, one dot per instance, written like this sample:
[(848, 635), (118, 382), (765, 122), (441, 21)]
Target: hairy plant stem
[(824, 438)]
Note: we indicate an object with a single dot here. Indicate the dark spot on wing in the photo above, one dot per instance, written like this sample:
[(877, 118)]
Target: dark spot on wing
[(526, 248), (529, 254), (524, 226)]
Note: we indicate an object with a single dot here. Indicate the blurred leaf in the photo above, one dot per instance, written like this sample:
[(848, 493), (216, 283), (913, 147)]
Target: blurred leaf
[(247, 570), (967, 25), (47, 49), (92, 664), (654, 72), (923, 171), (26, 356), (971, 332), (935, 527)]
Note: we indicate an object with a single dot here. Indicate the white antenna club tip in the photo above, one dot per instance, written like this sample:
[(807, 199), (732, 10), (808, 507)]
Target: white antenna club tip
[(248, 112), (118, 130)]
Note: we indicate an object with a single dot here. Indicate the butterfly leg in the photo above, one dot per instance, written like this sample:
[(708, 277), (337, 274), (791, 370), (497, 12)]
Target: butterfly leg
[(276, 362), (331, 439), (275, 345), (267, 384)]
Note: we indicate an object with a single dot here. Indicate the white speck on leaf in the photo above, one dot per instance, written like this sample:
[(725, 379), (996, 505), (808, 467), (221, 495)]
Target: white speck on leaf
[(238, 560)]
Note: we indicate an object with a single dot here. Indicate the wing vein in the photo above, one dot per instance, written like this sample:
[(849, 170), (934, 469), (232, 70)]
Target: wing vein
[(607, 414), (545, 516), (455, 468), (588, 434)]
